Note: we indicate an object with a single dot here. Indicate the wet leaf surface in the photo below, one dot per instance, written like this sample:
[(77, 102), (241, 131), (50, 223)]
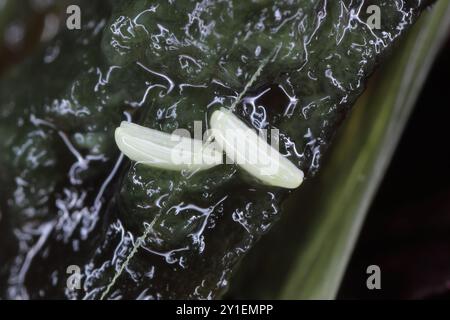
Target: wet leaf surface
[(69, 198)]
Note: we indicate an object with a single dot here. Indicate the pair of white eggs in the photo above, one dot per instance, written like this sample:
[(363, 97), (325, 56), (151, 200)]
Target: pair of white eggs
[(230, 134)]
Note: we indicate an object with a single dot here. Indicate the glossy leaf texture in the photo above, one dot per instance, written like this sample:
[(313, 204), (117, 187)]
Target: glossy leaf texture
[(318, 238), (137, 232)]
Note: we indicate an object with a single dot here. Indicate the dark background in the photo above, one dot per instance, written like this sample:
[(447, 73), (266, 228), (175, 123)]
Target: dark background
[(407, 230)]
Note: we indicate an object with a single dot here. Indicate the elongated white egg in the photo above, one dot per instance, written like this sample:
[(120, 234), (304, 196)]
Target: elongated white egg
[(252, 152), (166, 151)]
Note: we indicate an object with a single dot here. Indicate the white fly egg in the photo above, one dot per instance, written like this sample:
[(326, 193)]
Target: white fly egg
[(165, 151), (252, 153)]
